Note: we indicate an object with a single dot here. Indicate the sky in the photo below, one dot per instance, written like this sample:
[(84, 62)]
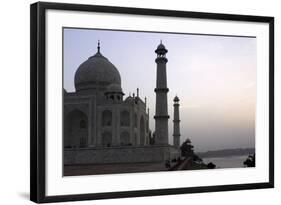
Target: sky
[(213, 76)]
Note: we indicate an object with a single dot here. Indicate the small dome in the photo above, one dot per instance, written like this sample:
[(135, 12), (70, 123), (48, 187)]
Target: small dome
[(96, 72), (176, 99), (161, 46), (114, 88), (129, 99), (161, 49)]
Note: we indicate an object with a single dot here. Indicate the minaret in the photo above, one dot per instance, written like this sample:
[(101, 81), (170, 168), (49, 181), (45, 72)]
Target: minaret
[(176, 121), (161, 112)]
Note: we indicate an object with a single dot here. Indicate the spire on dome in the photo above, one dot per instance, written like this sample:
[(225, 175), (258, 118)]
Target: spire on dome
[(98, 53), (98, 46)]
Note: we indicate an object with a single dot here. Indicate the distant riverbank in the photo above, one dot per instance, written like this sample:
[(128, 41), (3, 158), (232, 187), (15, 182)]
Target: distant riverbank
[(226, 153)]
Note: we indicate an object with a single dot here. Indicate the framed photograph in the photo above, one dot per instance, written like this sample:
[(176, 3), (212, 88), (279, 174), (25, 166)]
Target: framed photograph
[(129, 102)]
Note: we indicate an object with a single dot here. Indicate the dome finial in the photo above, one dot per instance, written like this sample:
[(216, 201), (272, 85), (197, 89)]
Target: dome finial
[(176, 99), (161, 41), (98, 46)]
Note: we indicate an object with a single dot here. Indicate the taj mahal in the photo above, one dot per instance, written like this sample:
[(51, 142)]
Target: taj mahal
[(101, 125)]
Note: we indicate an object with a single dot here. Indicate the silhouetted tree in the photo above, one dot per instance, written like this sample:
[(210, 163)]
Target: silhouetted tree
[(196, 158), (250, 161), (211, 165), (187, 148), (174, 160)]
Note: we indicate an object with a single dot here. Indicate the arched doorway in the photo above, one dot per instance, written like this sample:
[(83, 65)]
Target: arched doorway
[(142, 131), (106, 139), (135, 120), (136, 139), (125, 118), (106, 118), (76, 129), (125, 138)]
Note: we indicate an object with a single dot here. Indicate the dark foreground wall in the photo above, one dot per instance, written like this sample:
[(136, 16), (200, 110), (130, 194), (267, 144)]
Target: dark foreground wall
[(119, 155)]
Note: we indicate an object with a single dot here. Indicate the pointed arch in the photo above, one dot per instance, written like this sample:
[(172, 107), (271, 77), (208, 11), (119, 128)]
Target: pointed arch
[(106, 139), (136, 138), (76, 129), (106, 118), (135, 120), (142, 131), (125, 138), (125, 118)]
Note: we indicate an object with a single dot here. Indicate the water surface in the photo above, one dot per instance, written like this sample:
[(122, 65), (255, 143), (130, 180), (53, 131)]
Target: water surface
[(227, 162)]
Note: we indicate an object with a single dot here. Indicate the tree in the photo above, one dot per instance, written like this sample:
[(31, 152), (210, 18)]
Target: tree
[(211, 165), (250, 161), (187, 148), (196, 158)]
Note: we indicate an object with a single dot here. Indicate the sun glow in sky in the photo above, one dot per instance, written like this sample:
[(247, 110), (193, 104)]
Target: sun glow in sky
[(214, 77)]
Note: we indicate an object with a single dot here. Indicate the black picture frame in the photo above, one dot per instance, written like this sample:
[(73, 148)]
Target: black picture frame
[(38, 100)]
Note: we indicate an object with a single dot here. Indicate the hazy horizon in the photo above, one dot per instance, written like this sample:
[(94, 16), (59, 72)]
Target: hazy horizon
[(214, 77)]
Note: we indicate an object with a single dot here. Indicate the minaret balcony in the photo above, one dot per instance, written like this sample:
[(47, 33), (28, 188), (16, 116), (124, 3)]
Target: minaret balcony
[(161, 59), (164, 90), (161, 117)]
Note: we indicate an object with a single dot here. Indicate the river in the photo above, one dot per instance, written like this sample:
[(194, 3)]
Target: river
[(227, 162)]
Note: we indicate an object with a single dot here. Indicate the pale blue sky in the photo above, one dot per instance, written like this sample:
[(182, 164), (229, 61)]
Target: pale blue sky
[(214, 77)]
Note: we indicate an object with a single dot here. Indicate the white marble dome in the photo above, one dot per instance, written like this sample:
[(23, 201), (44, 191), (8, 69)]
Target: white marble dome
[(96, 72)]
